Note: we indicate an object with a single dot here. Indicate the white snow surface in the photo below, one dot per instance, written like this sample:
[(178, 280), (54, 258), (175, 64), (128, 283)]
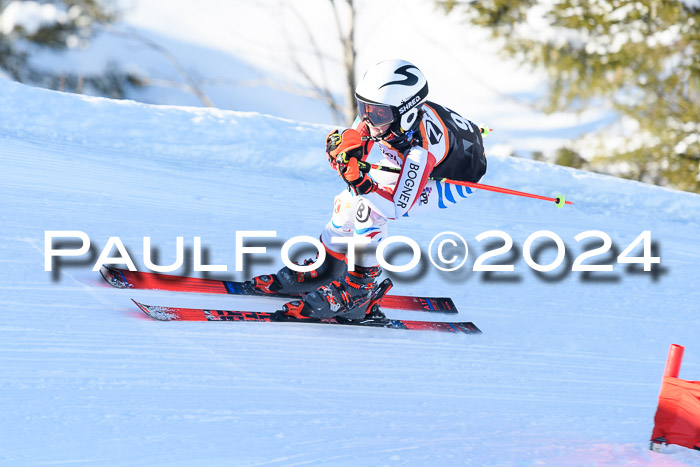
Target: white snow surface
[(566, 372)]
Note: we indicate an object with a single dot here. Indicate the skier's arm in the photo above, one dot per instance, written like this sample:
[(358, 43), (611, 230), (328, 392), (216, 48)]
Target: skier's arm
[(343, 151), (393, 203)]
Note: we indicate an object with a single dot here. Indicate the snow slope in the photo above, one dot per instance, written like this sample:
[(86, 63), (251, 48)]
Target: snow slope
[(567, 371)]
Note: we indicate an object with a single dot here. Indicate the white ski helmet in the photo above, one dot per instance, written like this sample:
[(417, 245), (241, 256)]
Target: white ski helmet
[(392, 91)]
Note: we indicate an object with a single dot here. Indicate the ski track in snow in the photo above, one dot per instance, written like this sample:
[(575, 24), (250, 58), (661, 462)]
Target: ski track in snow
[(566, 372)]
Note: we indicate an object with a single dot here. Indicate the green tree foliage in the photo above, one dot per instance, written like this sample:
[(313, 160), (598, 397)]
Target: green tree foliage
[(641, 57), (570, 158), (28, 27), (538, 156)]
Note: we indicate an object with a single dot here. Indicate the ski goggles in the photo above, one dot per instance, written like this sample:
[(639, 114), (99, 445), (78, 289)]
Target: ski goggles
[(377, 114)]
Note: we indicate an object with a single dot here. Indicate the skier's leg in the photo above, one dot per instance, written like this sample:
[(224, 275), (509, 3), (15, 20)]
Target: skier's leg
[(350, 296), (288, 281), (371, 226), (341, 223)]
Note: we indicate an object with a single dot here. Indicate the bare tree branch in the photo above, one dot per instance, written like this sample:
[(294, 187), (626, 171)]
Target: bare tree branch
[(321, 90), (264, 81), (349, 54), (342, 112), (192, 85)]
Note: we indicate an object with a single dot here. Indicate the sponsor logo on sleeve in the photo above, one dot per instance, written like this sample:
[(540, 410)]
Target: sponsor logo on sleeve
[(408, 185), (424, 196)]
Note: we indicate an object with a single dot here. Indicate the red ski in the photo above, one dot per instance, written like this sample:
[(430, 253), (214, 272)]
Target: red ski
[(162, 313), (124, 279)]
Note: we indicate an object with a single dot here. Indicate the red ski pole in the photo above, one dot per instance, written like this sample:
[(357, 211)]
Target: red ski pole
[(559, 200)]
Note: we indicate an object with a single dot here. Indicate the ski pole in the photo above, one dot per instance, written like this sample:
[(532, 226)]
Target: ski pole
[(559, 200)]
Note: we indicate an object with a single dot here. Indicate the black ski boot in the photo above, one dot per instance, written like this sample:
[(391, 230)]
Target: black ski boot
[(289, 282), (349, 298)]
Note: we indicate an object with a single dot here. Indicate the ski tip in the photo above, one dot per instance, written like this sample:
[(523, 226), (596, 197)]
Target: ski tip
[(160, 313), (113, 277), (104, 272), (143, 307), (109, 269)]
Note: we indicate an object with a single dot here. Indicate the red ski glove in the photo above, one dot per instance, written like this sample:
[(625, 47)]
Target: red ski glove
[(349, 142), (360, 182)]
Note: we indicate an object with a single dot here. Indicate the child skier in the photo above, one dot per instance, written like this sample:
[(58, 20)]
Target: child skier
[(416, 137)]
